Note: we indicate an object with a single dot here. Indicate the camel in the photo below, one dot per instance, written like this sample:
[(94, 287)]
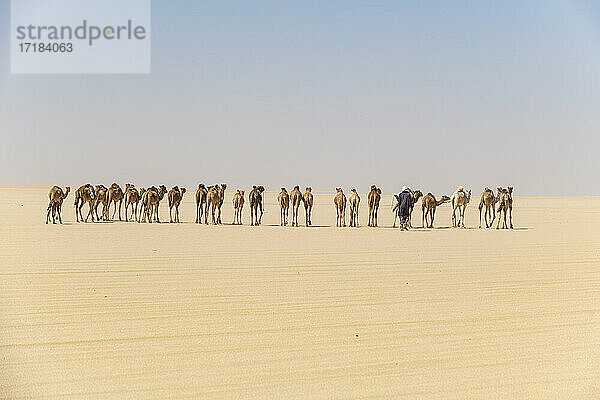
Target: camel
[(488, 201), (115, 194), (428, 207), (308, 205), (505, 200), (84, 194), (238, 206), (212, 203), (284, 205), (460, 198), (175, 196), (101, 198), (354, 202), (56, 196), (415, 195), (221, 191), (256, 202), (296, 199), (374, 197), (132, 198), (201, 194), (151, 202), (340, 207)]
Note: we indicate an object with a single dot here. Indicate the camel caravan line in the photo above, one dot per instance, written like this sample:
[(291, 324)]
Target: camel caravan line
[(141, 205)]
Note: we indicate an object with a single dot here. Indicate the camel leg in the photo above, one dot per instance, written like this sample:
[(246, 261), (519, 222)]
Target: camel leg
[(120, 204), (510, 217), (170, 214)]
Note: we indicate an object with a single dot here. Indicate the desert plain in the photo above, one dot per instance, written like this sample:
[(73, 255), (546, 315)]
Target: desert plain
[(117, 310)]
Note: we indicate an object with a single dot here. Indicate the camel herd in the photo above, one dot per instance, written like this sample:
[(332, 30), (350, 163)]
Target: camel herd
[(144, 204)]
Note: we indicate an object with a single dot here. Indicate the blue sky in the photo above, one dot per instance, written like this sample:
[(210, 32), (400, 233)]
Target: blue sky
[(430, 94)]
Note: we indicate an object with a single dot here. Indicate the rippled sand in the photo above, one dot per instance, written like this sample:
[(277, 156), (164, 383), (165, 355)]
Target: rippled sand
[(132, 311)]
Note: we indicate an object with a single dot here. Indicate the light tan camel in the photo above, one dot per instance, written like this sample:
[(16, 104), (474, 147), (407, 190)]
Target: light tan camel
[(101, 198), (295, 199), (256, 202), (505, 205), (174, 197), (84, 195), (374, 197), (201, 194), (221, 200), (308, 205), (428, 207), (115, 195), (132, 198), (238, 206), (488, 201), (284, 205), (212, 203), (56, 197), (340, 207), (354, 203), (460, 198), (151, 199)]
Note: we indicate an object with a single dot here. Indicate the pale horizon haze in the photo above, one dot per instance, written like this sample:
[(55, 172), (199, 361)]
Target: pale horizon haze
[(340, 93)]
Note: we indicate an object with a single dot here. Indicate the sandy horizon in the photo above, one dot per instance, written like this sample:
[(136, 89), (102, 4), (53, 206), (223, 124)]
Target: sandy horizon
[(147, 311)]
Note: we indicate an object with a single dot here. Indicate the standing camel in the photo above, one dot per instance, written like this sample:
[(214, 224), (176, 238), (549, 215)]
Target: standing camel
[(256, 202), (116, 195), (174, 197), (488, 201), (151, 201), (101, 198), (505, 205), (84, 194), (354, 202), (56, 196), (200, 202), (132, 197), (428, 207), (221, 191), (238, 206), (460, 198), (284, 205), (295, 199), (212, 203), (308, 205), (373, 198), (340, 207)]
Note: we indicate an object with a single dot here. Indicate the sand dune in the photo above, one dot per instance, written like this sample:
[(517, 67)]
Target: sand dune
[(139, 311)]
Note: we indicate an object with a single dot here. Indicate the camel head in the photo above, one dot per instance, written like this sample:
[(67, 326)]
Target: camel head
[(296, 187), (201, 186), (353, 190), (283, 190), (417, 194), (468, 193), (444, 199), (240, 192), (500, 190), (162, 189), (176, 188), (67, 190), (510, 190), (309, 189), (261, 188), (142, 190), (129, 186), (223, 186), (339, 190), (183, 191), (373, 187), (378, 191)]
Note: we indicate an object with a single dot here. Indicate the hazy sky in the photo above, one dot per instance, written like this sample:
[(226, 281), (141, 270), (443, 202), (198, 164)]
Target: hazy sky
[(326, 93)]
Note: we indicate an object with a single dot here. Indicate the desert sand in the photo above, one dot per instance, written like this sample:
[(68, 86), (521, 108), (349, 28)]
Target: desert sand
[(139, 311)]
